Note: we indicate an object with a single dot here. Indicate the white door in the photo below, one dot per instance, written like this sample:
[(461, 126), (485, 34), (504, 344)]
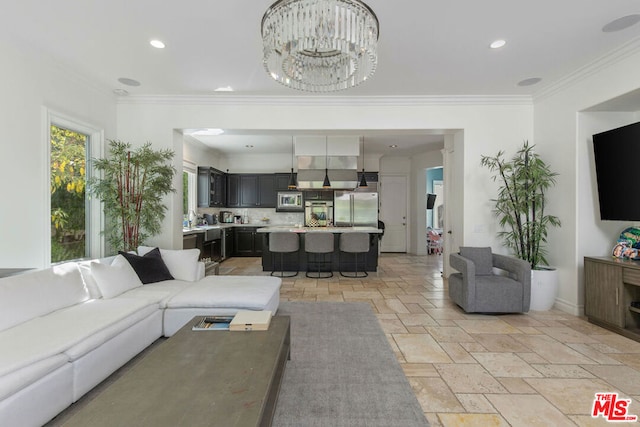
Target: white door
[(393, 212)]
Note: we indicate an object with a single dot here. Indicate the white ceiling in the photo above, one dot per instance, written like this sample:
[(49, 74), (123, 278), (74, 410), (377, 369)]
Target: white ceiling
[(426, 47)]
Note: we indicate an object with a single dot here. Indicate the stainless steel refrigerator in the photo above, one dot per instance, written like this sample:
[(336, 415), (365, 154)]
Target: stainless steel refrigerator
[(353, 209)]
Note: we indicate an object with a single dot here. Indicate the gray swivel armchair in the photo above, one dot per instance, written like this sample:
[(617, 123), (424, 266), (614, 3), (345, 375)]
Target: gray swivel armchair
[(477, 289)]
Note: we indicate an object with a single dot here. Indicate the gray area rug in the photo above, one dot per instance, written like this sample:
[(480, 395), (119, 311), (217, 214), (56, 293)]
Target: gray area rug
[(342, 371)]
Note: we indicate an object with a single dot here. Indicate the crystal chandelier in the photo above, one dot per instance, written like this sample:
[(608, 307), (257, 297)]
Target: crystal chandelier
[(320, 45)]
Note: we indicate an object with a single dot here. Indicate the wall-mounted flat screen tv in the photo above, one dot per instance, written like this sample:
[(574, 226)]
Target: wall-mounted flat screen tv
[(431, 200), (617, 158)]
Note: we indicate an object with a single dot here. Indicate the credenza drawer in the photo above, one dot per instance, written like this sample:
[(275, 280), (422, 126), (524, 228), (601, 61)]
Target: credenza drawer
[(631, 276)]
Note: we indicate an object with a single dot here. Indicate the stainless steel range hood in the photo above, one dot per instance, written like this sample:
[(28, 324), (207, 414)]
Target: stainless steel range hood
[(341, 169)]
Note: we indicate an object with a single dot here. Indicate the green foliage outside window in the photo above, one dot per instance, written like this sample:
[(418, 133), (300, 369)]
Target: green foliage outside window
[(68, 182)]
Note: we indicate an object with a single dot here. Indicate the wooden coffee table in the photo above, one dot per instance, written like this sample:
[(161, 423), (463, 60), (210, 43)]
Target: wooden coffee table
[(198, 378)]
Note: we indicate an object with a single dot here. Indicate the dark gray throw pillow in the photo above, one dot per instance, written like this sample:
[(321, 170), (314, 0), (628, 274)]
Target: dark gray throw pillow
[(481, 257), (150, 268)]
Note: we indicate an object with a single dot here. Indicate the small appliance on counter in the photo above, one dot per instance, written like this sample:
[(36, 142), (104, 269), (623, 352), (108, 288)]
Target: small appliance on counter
[(226, 217), (211, 219)]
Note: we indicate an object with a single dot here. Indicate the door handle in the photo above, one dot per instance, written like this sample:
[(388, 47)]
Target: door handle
[(449, 232)]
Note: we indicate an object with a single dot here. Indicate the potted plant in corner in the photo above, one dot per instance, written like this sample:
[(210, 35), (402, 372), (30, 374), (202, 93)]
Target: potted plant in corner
[(520, 207), (132, 186)]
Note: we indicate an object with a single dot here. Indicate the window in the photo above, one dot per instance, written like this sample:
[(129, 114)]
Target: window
[(75, 221), (189, 189), (68, 188)]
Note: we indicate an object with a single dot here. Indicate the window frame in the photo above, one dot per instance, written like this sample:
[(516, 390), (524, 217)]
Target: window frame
[(95, 240), (192, 185)]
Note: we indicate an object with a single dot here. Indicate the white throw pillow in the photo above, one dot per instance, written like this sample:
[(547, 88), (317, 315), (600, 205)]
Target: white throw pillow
[(116, 278), (182, 263)]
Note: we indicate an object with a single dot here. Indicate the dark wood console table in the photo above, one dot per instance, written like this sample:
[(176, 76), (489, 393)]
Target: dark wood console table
[(610, 286), (198, 378)]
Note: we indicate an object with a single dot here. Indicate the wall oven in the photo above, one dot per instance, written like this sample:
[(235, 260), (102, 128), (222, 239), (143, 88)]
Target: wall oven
[(289, 201), (318, 214)]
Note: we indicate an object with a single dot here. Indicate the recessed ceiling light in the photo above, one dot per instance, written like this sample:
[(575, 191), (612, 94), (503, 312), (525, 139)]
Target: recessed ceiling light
[(224, 89), (206, 132), (393, 146), (621, 23), (128, 82), (157, 44), (120, 92), (529, 82), (497, 44)]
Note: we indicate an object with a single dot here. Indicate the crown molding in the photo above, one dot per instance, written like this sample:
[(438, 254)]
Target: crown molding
[(328, 101), (607, 60)]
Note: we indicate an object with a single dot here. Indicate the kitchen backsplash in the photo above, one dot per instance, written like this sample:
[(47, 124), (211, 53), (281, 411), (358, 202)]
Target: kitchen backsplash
[(256, 215)]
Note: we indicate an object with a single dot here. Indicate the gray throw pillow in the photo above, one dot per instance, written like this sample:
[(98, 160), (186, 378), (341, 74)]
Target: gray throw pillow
[(481, 257)]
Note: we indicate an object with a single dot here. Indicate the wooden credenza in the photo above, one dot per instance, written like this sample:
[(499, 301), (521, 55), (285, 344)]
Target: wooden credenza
[(610, 286)]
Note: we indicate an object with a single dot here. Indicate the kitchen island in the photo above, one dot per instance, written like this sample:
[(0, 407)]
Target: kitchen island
[(297, 261)]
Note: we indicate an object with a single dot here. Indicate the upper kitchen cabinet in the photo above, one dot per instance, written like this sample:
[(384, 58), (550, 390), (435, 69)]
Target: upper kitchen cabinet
[(251, 190), (211, 187), (282, 181), (370, 176)]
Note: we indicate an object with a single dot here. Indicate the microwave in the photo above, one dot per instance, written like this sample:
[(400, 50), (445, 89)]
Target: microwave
[(289, 201)]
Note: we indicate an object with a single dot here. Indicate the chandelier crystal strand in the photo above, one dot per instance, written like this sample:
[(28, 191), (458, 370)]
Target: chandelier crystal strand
[(320, 45)]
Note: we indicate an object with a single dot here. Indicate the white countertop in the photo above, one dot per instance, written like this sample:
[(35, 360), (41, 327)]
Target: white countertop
[(293, 229), (203, 228)]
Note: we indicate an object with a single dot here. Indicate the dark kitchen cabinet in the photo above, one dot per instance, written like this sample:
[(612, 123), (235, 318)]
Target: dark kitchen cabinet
[(370, 176), (211, 187), (233, 190), (318, 195), (247, 241), (282, 181), (267, 194), (251, 190), (228, 242)]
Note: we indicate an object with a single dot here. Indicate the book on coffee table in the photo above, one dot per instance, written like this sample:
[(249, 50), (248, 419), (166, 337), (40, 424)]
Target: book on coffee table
[(250, 320), (213, 323)]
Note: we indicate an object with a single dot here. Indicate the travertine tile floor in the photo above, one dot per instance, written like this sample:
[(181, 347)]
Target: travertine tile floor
[(537, 369)]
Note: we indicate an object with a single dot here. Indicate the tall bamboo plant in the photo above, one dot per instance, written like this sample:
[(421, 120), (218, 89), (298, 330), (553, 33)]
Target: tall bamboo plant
[(132, 186), (521, 202)]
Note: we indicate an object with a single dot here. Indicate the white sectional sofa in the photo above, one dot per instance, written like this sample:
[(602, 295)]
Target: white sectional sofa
[(65, 329)]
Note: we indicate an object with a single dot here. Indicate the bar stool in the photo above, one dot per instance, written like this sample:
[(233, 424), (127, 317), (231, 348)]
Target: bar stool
[(355, 243), (318, 245), (282, 243)]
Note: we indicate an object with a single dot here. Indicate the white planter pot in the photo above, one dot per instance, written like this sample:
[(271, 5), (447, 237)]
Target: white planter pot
[(544, 288)]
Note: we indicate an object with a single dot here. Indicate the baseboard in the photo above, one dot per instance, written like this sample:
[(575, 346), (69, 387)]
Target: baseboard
[(567, 307)]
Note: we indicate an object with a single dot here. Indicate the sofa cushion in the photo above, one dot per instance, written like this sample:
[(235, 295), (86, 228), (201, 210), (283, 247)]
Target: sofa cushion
[(60, 331), (115, 315), (182, 263), (87, 277), (240, 292), (149, 267), (160, 292), (481, 257), (114, 279), (17, 380), (34, 294)]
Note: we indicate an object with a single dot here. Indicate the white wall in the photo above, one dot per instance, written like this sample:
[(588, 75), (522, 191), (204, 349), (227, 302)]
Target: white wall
[(199, 154), (489, 124), (562, 137), (32, 83)]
